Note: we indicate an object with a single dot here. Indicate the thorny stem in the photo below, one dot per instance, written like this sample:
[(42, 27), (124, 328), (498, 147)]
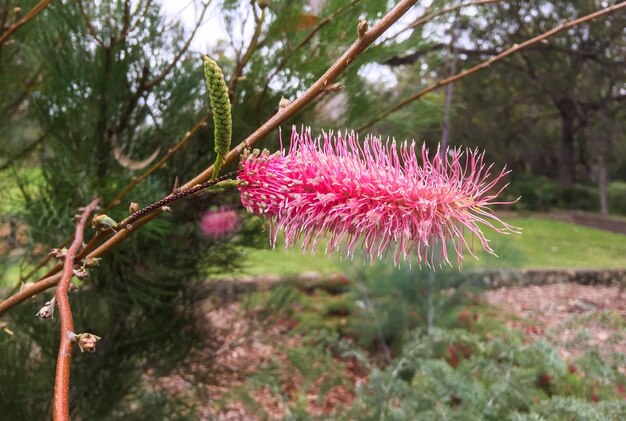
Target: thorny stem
[(314, 91), (174, 197), (38, 8), (61, 405), (487, 63)]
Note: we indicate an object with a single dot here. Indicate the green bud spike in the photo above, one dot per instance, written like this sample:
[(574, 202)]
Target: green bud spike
[(220, 103)]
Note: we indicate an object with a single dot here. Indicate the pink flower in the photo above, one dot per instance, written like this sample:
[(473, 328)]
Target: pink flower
[(374, 197), (219, 223)]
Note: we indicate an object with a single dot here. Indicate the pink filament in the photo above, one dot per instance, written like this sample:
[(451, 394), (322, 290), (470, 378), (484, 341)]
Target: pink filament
[(374, 197)]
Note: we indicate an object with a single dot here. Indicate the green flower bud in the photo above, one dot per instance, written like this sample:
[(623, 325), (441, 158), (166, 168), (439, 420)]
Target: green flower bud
[(220, 103)]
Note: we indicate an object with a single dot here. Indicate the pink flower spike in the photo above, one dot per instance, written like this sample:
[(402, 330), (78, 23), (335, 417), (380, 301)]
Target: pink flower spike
[(374, 197), (219, 223)]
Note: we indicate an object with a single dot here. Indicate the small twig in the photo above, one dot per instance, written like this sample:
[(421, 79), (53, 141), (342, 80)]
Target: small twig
[(159, 78), (491, 60), (38, 8), (61, 406), (23, 153), (89, 26), (430, 16), (248, 54), (301, 44), (128, 28)]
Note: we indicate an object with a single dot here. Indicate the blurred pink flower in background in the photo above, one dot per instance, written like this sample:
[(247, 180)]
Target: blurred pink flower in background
[(219, 223), (375, 197)]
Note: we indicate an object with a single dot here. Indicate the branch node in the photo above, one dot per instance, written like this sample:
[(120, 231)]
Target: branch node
[(334, 87), (86, 341), (362, 28), (134, 207), (58, 253), (47, 311), (81, 273), (283, 103), (5, 327), (103, 222)]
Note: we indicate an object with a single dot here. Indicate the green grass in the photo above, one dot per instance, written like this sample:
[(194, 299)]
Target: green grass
[(544, 243), (547, 243), (290, 262)]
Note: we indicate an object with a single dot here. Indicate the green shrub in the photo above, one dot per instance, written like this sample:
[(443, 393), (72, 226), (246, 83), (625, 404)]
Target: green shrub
[(580, 197), (535, 193), (617, 197)]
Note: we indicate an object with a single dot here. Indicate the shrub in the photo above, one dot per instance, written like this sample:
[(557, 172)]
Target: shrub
[(617, 197)]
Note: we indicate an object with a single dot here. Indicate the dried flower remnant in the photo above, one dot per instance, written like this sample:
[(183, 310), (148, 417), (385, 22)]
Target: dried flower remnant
[(86, 341), (374, 197), (219, 223), (47, 311)]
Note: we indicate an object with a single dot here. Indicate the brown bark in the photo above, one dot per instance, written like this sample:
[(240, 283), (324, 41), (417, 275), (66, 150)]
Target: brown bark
[(566, 158), (602, 180)]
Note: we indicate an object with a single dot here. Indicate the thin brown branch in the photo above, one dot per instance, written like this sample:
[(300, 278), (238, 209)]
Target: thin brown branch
[(128, 28), (38, 8), (158, 79), (301, 44), (29, 291), (430, 16), (61, 405), (506, 53), (89, 26), (254, 41), (313, 92)]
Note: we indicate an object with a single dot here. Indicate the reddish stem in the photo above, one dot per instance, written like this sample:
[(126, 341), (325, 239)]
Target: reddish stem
[(64, 359)]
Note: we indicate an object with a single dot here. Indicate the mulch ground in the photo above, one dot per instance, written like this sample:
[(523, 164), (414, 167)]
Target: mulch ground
[(240, 345), (563, 311)]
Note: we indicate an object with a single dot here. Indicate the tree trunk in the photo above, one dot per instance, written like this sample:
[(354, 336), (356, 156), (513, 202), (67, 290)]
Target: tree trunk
[(602, 181), (566, 169)]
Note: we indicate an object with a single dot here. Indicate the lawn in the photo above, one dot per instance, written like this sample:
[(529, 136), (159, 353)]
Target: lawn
[(544, 243)]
